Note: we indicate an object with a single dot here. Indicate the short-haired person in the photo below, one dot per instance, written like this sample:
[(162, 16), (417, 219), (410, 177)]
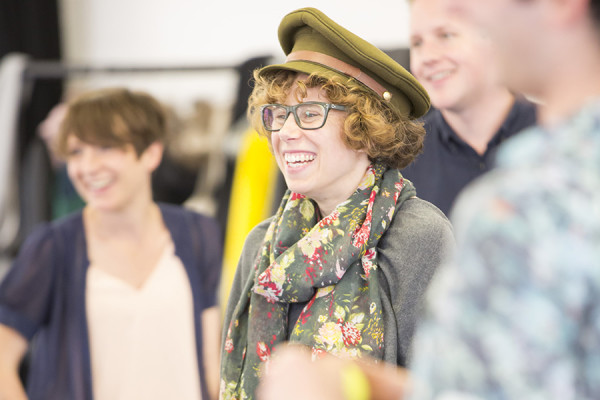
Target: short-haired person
[(342, 267), (474, 110), (120, 298)]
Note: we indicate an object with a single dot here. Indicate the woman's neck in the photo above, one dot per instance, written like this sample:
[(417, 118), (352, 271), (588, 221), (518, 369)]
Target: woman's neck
[(327, 202), (479, 122), (326, 207), (132, 222)]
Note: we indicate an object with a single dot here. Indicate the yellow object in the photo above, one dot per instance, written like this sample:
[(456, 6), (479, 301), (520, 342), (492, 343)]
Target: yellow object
[(251, 200), (355, 384)]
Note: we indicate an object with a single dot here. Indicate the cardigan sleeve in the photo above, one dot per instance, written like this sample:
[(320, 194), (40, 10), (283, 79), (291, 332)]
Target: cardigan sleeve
[(245, 266), (208, 238), (26, 291), (419, 239)]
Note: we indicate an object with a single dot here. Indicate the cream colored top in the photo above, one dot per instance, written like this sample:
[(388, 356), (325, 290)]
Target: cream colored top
[(142, 341)]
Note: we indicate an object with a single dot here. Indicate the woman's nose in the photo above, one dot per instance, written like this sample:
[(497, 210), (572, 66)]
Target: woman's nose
[(290, 130), (90, 160)]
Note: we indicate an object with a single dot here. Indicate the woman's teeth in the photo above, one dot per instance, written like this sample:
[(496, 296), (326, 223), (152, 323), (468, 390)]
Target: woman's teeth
[(98, 184), (298, 159)]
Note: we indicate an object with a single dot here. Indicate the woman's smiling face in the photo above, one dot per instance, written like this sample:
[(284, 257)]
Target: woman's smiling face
[(318, 163), (111, 178)]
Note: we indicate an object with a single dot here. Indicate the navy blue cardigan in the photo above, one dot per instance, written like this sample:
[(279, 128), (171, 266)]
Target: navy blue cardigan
[(44, 295)]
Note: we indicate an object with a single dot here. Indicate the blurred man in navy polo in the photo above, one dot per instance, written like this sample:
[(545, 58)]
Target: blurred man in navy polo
[(474, 112)]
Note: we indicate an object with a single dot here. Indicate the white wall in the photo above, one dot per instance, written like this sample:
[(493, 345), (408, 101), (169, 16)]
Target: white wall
[(192, 32)]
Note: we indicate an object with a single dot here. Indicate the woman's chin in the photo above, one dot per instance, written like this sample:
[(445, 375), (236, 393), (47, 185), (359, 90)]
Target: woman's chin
[(298, 190)]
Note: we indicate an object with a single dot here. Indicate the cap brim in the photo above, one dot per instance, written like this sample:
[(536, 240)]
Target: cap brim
[(305, 67), (419, 102)]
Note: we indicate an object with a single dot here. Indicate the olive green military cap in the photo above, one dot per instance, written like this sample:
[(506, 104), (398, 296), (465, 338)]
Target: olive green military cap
[(313, 43)]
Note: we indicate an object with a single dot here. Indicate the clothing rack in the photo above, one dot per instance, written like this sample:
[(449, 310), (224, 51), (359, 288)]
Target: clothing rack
[(57, 69)]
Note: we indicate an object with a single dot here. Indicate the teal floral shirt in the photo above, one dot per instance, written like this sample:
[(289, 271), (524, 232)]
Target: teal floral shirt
[(516, 313)]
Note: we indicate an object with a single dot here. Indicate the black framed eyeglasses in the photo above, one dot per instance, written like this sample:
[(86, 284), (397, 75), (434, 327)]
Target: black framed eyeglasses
[(308, 115)]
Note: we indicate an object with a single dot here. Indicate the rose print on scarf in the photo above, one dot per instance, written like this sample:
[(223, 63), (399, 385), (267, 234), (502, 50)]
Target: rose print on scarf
[(362, 234), (296, 196), (343, 336), (368, 180), (270, 282), (399, 186), (367, 262), (310, 244), (228, 345), (263, 351), (267, 288), (330, 334), (351, 334), (278, 274), (228, 340), (330, 220)]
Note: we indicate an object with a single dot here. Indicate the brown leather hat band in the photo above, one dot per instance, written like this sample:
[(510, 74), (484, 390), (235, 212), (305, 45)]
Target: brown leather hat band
[(339, 65)]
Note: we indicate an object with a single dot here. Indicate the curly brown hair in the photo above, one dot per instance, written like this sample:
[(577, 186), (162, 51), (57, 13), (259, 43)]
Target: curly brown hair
[(114, 117), (371, 125)]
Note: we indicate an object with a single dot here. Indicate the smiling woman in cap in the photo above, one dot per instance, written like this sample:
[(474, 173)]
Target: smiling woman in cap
[(342, 266)]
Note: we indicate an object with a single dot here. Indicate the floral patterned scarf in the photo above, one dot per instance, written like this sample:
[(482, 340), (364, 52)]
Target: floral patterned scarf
[(330, 263)]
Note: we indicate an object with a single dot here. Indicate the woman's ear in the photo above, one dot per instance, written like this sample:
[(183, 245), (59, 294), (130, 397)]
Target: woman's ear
[(152, 156)]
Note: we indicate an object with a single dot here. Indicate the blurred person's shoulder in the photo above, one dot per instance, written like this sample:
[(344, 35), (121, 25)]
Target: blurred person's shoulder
[(257, 235), (523, 115), (571, 143), (419, 229), (252, 245), (50, 239), (179, 217), (68, 224), (546, 180), (418, 217)]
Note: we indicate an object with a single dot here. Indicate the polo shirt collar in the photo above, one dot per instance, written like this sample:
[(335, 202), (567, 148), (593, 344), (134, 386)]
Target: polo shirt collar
[(506, 129)]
